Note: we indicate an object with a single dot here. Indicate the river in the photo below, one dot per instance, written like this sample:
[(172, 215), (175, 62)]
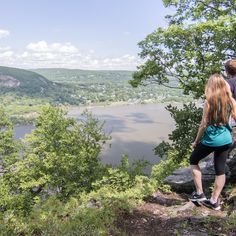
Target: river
[(135, 129)]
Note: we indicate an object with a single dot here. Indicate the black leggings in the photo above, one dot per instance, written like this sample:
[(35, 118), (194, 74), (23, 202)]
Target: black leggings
[(220, 156)]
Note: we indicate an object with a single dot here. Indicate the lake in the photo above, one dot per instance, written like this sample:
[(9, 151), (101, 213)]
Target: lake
[(135, 129)]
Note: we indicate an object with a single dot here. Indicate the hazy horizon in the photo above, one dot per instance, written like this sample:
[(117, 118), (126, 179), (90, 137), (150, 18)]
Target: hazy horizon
[(63, 68)]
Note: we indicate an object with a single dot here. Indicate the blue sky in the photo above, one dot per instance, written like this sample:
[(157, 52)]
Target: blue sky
[(85, 34)]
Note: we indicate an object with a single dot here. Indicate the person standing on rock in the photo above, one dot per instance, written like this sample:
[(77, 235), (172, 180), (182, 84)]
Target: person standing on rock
[(230, 69), (214, 135)]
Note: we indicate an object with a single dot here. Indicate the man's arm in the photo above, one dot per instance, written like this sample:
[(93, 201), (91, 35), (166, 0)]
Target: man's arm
[(231, 84)]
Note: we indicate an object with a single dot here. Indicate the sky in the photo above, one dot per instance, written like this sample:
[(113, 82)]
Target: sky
[(81, 34)]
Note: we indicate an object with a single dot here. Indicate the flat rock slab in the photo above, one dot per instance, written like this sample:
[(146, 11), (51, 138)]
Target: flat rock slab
[(181, 180)]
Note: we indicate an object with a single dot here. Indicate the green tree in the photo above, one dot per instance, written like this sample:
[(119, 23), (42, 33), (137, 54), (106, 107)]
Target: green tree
[(8, 145), (68, 151), (187, 123), (200, 36), (60, 157)]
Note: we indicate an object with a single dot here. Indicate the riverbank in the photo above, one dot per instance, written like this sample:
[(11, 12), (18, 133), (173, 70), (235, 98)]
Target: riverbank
[(28, 117), (121, 103)]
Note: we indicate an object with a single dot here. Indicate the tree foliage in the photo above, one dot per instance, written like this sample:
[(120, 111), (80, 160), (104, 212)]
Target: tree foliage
[(187, 121), (56, 184), (202, 10), (59, 158), (8, 145), (199, 38)]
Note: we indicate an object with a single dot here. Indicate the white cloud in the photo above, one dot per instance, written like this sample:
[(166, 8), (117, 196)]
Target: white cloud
[(40, 46), (6, 52), (43, 46), (65, 55), (7, 57), (3, 49), (4, 33)]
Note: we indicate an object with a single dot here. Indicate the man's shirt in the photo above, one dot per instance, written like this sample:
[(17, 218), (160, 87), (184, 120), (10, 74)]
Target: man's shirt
[(232, 84)]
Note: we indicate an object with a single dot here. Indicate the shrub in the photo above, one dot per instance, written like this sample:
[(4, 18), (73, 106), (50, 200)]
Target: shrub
[(165, 167), (60, 157)]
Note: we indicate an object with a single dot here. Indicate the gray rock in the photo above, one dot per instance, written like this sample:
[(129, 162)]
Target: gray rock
[(181, 180), (185, 207)]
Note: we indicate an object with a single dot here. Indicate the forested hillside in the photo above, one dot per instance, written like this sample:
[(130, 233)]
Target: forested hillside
[(93, 86), (24, 82), (23, 92)]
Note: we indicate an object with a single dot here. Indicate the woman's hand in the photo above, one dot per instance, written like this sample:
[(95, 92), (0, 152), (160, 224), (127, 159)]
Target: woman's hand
[(194, 144)]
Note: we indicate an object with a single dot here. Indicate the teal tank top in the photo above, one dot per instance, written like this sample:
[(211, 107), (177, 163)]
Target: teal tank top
[(215, 136)]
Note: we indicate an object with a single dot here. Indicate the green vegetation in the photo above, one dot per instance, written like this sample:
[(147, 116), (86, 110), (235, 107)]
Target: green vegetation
[(110, 86), (186, 125), (52, 182), (23, 93), (199, 38), (29, 83)]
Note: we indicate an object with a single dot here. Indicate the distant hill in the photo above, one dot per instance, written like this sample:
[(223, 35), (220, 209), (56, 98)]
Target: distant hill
[(95, 86), (85, 76), (24, 82), (76, 87), (24, 92)]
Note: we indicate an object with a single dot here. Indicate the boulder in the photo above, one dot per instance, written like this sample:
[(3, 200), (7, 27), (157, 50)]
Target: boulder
[(181, 180)]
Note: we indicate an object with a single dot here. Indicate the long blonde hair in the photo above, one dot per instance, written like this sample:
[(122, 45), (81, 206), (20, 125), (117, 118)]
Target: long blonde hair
[(219, 99)]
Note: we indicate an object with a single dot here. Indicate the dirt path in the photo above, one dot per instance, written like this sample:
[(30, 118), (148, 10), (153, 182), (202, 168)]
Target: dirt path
[(172, 214)]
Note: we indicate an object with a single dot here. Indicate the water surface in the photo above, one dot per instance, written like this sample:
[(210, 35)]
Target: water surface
[(135, 130)]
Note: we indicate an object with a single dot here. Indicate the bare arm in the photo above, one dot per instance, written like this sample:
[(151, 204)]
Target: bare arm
[(202, 125), (233, 112)]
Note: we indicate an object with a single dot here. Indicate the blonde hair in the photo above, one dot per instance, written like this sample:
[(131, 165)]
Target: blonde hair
[(219, 99)]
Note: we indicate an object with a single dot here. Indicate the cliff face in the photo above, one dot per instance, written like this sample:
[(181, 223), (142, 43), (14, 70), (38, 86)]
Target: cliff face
[(8, 81), (26, 83)]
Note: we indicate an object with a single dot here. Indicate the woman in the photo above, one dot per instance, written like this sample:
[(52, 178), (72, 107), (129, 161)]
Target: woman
[(213, 136)]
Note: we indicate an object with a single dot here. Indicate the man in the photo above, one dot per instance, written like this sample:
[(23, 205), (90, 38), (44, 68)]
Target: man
[(230, 69)]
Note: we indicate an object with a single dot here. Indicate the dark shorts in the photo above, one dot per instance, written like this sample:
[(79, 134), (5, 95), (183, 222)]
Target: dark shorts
[(220, 156)]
